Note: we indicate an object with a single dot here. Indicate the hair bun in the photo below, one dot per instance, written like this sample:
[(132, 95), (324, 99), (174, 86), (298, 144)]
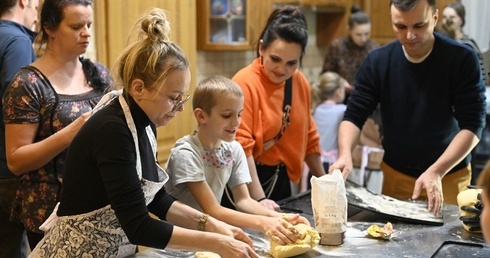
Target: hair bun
[(291, 15), (355, 8), (156, 26)]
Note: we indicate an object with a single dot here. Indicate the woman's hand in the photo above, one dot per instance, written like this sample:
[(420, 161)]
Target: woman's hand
[(220, 227), (72, 129), (228, 247), (279, 230)]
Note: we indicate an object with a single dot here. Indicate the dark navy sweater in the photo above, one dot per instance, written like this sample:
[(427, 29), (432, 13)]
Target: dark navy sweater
[(423, 105)]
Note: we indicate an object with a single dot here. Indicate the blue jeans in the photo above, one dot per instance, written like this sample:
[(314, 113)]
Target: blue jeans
[(13, 240)]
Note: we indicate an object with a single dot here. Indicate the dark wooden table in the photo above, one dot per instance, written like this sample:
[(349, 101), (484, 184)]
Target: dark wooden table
[(411, 240)]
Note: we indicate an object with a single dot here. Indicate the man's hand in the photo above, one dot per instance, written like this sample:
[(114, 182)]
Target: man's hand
[(432, 183), (344, 164)]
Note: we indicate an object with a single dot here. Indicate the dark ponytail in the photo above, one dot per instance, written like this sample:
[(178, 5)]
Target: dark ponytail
[(92, 74)]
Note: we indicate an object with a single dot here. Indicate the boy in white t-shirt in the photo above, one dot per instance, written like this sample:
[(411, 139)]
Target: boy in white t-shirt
[(203, 163)]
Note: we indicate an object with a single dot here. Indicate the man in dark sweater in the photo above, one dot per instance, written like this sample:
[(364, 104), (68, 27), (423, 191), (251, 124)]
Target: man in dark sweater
[(432, 101), (17, 19)]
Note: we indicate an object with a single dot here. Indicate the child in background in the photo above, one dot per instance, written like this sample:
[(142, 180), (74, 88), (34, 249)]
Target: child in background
[(203, 163), (328, 110), (328, 113)]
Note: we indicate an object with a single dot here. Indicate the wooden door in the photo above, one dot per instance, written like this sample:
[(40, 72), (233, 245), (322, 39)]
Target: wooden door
[(259, 13), (332, 21), (113, 21)]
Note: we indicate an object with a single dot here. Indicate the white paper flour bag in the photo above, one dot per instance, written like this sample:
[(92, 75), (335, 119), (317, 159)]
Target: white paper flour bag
[(329, 203)]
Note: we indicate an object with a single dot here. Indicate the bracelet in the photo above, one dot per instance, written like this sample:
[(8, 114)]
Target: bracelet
[(201, 225), (261, 199)]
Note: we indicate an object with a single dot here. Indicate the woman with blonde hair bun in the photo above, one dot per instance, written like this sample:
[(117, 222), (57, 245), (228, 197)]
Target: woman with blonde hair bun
[(112, 181)]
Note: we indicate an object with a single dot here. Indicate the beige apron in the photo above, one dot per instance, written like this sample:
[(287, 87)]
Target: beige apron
[(97, 233)]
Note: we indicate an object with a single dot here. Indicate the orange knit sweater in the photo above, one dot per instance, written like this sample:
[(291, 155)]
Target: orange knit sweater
[(262, 119)]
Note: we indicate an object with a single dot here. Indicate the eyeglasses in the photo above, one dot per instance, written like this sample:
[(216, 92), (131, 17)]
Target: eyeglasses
[(179, 103), (176, 102)]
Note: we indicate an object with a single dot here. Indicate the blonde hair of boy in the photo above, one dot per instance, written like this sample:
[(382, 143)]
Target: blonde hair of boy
[(210, 89)]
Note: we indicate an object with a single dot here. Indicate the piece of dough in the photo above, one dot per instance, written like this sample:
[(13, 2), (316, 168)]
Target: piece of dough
[(468, 198), (380, 232), (207, 255), (308, 239)]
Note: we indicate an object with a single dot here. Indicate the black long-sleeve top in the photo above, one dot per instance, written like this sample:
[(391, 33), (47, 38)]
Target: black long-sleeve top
[(101, 169)]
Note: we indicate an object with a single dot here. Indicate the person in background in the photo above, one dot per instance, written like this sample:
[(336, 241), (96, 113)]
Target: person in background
[(112, 179), (327, 97), (277, 131), (453, 15), (203, 163), (345, 55), (328, 113), (445, 29), (432, 108), (453, 20), (45, 106), (17, 21), (484, 183)]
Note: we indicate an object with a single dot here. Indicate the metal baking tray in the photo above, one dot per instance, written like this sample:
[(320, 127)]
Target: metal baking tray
[(300, 203), (461, 249), (396, 209), (360, 199)]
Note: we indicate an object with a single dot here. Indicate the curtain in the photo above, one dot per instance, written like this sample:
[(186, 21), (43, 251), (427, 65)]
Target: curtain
[(477, 24)]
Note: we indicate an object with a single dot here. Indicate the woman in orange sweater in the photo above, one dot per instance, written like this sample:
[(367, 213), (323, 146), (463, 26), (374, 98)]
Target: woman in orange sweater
[(277, 131)]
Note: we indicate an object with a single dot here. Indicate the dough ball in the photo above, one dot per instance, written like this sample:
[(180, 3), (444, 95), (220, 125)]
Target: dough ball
[(207, 255), (467, 198), (308, 239)]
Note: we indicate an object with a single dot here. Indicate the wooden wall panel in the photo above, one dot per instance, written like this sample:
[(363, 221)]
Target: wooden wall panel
[(184, 33), (260, 11), (381, 30)]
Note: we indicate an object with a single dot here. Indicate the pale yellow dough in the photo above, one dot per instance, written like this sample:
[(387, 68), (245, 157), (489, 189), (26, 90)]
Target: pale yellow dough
[(467, 198), (207, 255), (308, 239)]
